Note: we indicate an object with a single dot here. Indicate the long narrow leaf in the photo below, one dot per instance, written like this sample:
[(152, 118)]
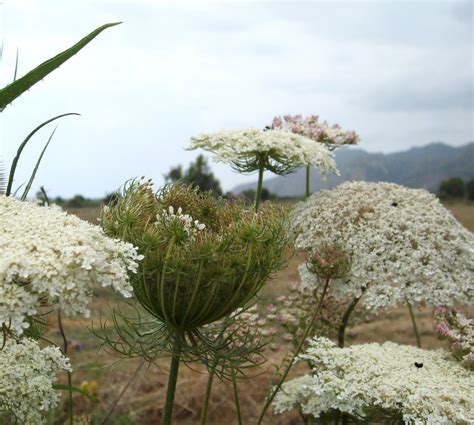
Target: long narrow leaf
[(74, 389), (22, 146), (33, 174), (10, 92)]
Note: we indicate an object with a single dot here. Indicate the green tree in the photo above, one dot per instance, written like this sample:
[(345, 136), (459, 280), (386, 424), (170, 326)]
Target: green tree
[(453, 188), (470, 190), (266, 195), (198, 174)]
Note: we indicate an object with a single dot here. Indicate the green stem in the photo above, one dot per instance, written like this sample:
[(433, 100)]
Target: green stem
[(236, 397), (69, 374), (297, 351), (308, 182), (415, 328), (258, 195), (172, 379), (345, 320), (210, 379)]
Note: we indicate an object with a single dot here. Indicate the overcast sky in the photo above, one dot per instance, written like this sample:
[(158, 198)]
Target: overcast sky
[(400, 73)]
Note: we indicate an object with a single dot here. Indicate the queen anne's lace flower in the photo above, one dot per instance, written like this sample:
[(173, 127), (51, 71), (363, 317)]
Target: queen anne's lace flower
[(354, 380), (27, 373), (404, 244), (237, 147), (48, 256), (319, 131)]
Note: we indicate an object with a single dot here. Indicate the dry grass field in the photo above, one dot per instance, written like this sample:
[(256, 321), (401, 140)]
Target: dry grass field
[(142, 401)]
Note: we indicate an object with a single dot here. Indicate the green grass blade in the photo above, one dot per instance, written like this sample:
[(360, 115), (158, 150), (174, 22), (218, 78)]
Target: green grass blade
[(74, 389), (22, 146), (10, 92), (33, 174)]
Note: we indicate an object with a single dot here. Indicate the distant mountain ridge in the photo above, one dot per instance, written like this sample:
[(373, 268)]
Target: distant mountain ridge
[(420, 167)]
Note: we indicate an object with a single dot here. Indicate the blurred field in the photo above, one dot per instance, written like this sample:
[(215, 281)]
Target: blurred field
[(142, 401)]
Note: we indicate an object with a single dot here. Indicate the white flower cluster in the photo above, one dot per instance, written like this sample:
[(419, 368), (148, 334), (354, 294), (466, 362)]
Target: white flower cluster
[(404, 244), (48, 256), (233, 145), (424, 387), (190, 226), (27, 373)]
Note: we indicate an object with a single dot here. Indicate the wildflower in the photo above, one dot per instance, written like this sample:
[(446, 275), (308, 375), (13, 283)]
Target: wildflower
[(403, 244), (51, 258), (279, 151), (204, 257), (27, 373), (414, 385), (316, 130)]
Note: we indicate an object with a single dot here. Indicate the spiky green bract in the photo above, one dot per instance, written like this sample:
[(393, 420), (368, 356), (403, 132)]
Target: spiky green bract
[(203, 257)]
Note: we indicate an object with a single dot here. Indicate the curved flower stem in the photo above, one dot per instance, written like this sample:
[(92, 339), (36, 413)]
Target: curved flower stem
[(345, 319), (236, 396), (308, 181), (415, 328), (172, 379), (297, 351), (258, 195), (205, 405), (69, 374)]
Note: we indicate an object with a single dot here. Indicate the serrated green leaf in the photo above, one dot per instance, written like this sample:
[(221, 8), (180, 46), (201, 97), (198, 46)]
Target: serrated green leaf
[(11, 91)]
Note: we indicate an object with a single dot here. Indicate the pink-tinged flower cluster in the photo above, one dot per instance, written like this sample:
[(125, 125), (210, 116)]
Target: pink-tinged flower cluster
[(458, 329), (313, 128)]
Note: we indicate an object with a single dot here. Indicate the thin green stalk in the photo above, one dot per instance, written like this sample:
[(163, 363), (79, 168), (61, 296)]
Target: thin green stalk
[(172, 379), (415, 328), (116, 401), (69, 374), (308, 181), (258, 195), (207, 396), (297, 351), (345, 320), (236, 397)]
